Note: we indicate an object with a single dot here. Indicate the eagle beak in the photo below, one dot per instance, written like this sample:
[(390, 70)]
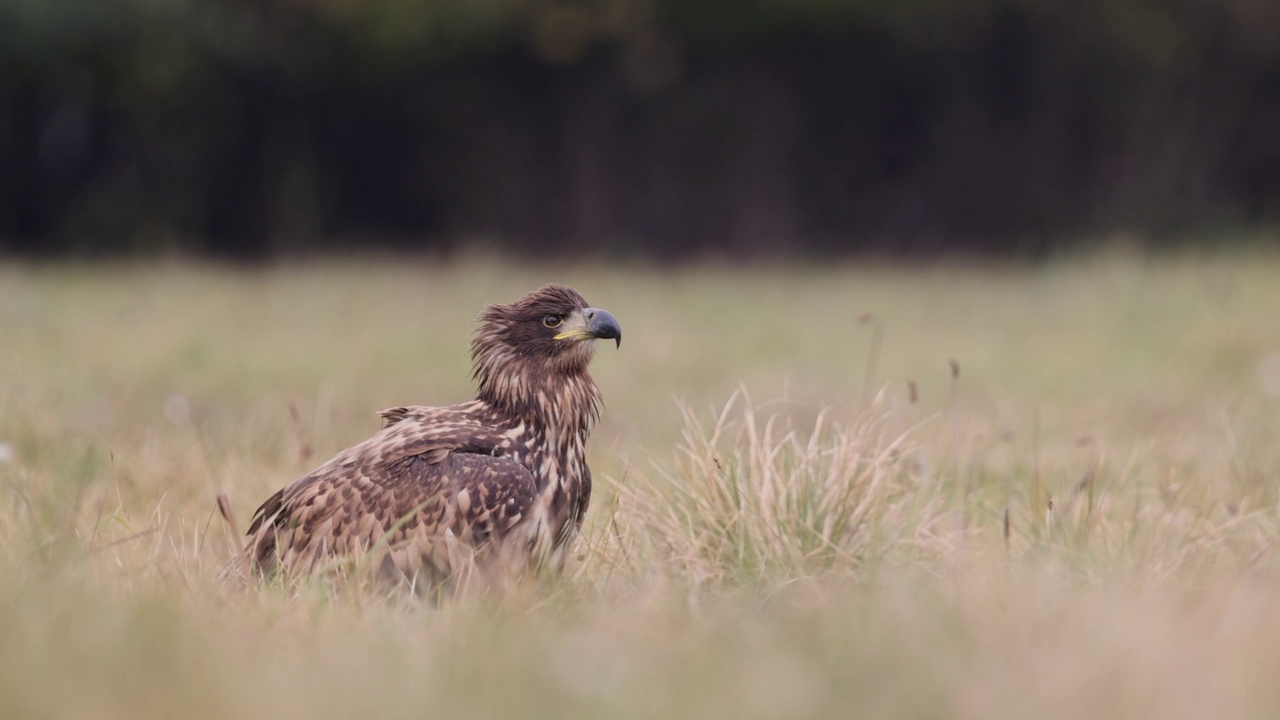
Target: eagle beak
[(602, 325)]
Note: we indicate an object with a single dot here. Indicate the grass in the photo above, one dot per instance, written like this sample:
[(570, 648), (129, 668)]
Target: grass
[(960, 491)]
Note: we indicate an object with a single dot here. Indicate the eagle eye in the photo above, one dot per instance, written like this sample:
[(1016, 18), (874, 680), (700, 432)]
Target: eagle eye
[(552, 321)]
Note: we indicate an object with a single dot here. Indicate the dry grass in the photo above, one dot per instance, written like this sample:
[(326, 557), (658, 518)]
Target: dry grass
[(754, 499), (969, 492)]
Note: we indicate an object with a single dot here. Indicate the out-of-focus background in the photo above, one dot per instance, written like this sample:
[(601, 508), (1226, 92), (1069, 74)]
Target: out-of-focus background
[(253, 129)]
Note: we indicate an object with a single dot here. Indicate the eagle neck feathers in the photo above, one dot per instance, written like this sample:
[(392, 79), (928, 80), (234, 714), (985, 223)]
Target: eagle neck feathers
[(552, 398), (554, 410)]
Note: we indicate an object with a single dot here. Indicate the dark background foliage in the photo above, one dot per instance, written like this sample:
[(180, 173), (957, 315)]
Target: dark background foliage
[(659, 128)]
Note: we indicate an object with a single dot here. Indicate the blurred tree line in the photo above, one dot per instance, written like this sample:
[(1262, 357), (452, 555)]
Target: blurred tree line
[(251, 128)]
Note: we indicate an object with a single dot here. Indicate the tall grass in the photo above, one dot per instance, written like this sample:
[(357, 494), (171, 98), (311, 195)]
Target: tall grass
[(1081, 523), (755, 497)]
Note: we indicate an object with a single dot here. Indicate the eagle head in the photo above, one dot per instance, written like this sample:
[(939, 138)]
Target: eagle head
[(549, 332)]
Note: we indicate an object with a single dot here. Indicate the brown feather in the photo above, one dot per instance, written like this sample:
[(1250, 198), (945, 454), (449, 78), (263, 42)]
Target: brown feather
[(502, 478)]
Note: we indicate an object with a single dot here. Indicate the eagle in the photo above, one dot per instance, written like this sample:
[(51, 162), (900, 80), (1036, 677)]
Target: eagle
[(500, 481)]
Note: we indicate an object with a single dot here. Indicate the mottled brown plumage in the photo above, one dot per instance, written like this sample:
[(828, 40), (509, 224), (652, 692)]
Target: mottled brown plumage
[(502, 478)]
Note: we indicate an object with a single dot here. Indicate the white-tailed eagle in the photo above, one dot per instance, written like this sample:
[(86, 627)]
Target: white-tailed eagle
[(502, 477)]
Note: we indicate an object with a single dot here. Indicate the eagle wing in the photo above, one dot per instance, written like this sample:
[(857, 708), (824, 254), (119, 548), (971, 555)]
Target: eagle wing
[(424, 489)]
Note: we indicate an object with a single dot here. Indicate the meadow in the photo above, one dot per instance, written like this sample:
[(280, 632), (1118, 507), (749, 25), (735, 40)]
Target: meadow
[(961, 490)]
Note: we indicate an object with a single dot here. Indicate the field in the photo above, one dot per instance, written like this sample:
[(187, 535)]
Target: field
[(956, 491)]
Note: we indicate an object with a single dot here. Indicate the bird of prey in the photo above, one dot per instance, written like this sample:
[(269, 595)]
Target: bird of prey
[(498, 480)]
